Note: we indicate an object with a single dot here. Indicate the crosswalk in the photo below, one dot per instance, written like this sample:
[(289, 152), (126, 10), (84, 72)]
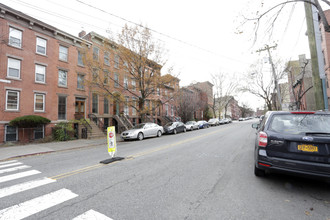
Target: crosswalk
[(15, 170)]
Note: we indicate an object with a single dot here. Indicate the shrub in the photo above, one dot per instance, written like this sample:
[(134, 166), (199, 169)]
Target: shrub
[(29, 121), (63, 131)]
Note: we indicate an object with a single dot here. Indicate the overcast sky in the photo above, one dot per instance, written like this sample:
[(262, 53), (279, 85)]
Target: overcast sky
[(200, 35)]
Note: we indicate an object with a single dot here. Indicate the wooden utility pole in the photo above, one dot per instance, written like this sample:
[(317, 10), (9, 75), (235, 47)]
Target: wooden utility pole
[(278, 91), (317, 83)]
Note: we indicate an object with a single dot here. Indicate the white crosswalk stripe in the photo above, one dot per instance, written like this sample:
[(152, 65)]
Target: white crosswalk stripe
[(91, 214), (24, 186), (36, 205)]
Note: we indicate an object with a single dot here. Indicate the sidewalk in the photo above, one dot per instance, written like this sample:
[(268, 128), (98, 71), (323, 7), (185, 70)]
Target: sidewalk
[(7, 152)]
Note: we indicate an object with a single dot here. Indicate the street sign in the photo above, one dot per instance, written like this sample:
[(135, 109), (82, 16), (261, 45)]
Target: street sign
[(111, 139)]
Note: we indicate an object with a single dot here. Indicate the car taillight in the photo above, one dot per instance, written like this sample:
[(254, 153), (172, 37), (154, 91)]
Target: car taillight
[(307, 113), (262, 139)]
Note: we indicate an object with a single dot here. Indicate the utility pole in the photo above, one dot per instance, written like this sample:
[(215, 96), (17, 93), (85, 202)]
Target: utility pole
[(317, 83), (278, 91)]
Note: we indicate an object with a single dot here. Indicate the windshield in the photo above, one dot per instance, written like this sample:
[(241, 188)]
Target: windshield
[(138, 126), (189, 122), (169, 124), (298, 123)]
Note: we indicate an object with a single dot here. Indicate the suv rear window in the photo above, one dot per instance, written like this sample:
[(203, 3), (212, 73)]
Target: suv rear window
[(300, 123)]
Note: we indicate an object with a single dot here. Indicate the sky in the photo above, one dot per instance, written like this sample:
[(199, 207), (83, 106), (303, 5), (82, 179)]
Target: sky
[(202, 37)]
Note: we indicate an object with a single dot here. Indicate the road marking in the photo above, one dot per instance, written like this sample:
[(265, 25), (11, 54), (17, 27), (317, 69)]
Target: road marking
[(14, 169), (10, 165), (9, 161), (91, 214), (85, 169), (18, 175), (36, 205), (24, 186)]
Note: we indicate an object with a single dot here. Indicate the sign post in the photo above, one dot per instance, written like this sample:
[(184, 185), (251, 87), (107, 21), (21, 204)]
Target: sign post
[(112, 146)]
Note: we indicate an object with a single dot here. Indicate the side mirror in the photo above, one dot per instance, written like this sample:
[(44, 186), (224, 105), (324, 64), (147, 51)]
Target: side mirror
[(256, 126)]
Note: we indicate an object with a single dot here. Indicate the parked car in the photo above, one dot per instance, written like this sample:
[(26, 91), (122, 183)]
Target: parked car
[(191, 125), (241, 119), (214, 122), (226, 120), (293, 143), (143, 130), (222, 121), (174, 127), (203, 124)]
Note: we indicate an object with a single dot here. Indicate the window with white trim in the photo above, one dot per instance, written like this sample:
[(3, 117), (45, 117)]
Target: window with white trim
[(40, 76), (133, 85), (63, 53), (116, 61), (11, 133), (95, 103), (125, 82), (41, 46), (15, 37), (116, 80), (62, 78), (107, 58), (80, 58), (96, 53), (12, 100), (126, 112), (81, 81), (61, 108), (166, 110), (39, 102), (14, 68)]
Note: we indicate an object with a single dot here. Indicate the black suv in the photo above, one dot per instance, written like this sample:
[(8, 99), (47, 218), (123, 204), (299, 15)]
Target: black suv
[(294, 143)]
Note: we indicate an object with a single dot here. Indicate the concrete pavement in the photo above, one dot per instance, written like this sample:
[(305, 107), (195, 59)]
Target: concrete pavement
[(7, 152)]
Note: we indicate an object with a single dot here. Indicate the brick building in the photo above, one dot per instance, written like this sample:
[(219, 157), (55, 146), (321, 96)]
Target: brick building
[(44, 72)]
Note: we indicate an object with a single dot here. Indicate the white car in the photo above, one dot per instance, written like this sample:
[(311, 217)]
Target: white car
[(143, 130), (191, 125)]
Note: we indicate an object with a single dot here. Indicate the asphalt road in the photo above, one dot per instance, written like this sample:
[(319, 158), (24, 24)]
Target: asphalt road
[(204, 174)]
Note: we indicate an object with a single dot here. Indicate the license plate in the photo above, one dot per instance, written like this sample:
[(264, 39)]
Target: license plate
[(308, 148)]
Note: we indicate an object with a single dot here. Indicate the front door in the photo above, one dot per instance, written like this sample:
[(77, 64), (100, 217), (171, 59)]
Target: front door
[(116, 108), (80, 110)]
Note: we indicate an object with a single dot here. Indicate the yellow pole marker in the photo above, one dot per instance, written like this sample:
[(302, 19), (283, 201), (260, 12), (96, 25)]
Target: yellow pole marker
[(111, 139)]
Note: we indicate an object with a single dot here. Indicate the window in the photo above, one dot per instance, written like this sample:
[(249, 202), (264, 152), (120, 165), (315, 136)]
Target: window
[(63, 53), (133, 85), (95, 105), (126, 106), (116, 61), (95, 74), (62, 78), (12, 100), (106, 77), (41, 46), (158, 91), (15, 37), (172, 110), (39, 102), (106, 106), (107, 58), (95, 53), (62, 108), (40, 73), (116, 80), (11, 133), (80, 81), (166, 110), (126, 82), (133, 106), (14, 68), (80, 58), (38, 132)]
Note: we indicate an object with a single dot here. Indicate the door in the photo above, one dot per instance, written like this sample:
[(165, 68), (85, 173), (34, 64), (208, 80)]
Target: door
[(80, 110), (116, 108)]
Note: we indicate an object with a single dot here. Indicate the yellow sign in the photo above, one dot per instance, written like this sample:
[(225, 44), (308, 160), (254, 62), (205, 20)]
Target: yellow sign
[(111, 138)]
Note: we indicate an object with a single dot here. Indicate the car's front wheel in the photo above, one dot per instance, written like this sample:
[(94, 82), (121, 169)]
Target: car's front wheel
[(174, 131), (259, 172), (184, 130), (159, 133), (140, 136)]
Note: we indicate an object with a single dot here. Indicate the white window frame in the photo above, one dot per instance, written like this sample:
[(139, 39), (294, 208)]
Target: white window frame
[(13, 65), (17, 92), (16, 34), (116, 61), (125, 82), (96, 55), (39, 67), (166, 110), (116, 80), (82, 81), (107, 58), (65, 52), (126, 108), (42, 43), (66, 78), (6, 133), (43, 102), (133, 85)]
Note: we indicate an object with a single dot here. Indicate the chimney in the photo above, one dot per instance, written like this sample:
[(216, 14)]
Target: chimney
[(82, 33)]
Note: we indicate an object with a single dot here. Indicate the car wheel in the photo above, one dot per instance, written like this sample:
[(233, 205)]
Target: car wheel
[(184, 130), (140, 136), (174, 131), (159, 133), (259, 172), (191, 128)]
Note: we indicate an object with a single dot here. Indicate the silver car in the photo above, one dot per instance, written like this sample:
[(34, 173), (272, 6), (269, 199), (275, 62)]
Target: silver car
[(191, 125), (143, 130)]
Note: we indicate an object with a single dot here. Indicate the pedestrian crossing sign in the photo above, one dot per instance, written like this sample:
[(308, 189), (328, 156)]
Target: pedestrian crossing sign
[(111, 139)]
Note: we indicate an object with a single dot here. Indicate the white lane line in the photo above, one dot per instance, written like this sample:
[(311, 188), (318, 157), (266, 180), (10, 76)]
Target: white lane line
[(14, 169), (9, 161), (91, 214), (10, 165), (36, 205), (18, 175), (24, 186)]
